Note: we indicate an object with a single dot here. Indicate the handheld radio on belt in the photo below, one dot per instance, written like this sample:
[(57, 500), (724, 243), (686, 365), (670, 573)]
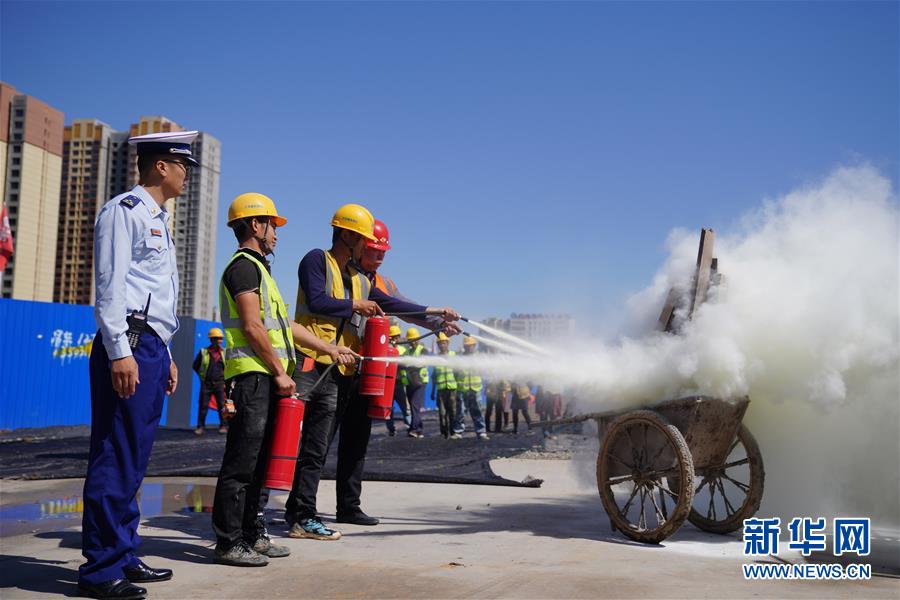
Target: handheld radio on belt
[(137, 324)]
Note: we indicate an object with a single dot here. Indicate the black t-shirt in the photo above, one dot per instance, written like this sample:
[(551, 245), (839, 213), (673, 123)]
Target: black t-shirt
[(242, 275)]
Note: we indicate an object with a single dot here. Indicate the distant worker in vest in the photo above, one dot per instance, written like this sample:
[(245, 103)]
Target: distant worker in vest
[(468, 395), (521, 398), (333, 300), (444, 390), (210, 367), (259, 363), (131, 370), (498, 401), (415, 380)]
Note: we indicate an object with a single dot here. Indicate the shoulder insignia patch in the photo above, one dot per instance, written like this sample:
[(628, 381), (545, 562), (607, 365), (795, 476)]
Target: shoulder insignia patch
[(129, 201)]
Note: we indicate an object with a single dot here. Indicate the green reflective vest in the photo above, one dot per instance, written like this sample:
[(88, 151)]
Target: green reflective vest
[(444, 378), (466, 381), (423, 372), (239, 355)]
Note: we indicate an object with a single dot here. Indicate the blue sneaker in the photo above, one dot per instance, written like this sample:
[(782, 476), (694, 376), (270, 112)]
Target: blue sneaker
[(313, 529)]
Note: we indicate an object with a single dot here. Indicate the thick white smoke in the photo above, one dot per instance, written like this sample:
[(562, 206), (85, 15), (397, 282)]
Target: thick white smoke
[(805, 323)]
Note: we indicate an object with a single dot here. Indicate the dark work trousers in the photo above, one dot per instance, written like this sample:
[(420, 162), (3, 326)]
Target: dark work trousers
[(416, 396), (446, 401), (518, 405), (468, 401), (207, 389), (244, 462), (400, 400), (122, 433), (501, 415), (324, 407), (355, 429)]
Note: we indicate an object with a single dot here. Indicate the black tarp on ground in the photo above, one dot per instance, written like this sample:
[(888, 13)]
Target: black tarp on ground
[(63, 452)]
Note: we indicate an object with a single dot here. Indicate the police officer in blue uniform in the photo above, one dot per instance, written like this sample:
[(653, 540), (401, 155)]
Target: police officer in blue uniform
[(131, 369)]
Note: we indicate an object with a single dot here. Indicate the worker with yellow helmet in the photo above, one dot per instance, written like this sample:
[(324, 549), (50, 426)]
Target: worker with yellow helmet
[(444, 390), (469, 388), (209, 365), (259, 364), (334, 299), (414, 381)]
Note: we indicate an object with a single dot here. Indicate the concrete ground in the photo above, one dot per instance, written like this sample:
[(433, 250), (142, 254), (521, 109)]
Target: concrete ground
[(435, 541)]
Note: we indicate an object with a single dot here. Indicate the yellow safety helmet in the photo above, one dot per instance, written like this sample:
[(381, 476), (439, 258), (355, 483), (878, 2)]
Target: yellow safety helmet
[(469, 341), (357, 218), (395, 331), (412, 333), (442, 337), (215, 332), (252, 204)]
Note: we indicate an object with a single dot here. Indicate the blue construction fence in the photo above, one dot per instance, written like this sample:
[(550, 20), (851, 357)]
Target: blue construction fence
[(44, 379)]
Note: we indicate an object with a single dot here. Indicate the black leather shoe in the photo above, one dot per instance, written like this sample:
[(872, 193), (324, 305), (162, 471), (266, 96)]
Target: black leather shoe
[(144, 574), (357, 518), (119, 589)]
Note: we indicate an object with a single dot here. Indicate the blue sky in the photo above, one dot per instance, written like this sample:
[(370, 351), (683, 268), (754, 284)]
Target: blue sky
[(528, 157)]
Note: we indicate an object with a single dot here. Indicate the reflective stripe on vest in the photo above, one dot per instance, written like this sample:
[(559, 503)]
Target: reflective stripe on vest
[(238, 354), (444, 379), (326, 328), (468, 382)]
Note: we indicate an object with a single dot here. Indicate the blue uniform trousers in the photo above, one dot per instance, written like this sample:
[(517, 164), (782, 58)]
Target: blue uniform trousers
[(122, 433)]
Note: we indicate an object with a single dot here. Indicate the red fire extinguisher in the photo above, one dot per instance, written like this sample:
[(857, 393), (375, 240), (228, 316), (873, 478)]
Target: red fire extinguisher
[(375, 345), (381, 406), (285, 444)]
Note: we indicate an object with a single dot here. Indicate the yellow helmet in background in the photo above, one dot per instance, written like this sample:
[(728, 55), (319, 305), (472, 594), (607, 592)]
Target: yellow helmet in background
[(252, 204), (469, 341), (412, 334), (442, 337), (356, 218), (394, 331), (215, 332)]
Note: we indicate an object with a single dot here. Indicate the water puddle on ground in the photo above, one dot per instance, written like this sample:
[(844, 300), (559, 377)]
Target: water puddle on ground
[(62, 505)]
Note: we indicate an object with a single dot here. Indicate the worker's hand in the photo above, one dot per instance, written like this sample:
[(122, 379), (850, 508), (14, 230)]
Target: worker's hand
[(367, 308), (342, 355), (125, 376), (284, 385), (447, 313), (452, 329), (172, 383), (229, 410)]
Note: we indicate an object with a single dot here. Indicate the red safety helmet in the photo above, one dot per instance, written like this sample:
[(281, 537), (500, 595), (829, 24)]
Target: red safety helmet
[(382, 237)]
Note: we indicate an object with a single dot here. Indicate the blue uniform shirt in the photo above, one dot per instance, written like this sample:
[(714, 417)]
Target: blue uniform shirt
[(133, 256)]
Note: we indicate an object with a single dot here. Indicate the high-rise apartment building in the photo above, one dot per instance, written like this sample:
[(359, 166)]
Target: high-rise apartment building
[(104, 166), (31, 136), (195, 226), (87, 165)]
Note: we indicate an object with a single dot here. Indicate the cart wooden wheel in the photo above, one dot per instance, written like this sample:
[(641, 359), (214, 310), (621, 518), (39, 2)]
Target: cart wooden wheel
[(641, 453), (726, 494)]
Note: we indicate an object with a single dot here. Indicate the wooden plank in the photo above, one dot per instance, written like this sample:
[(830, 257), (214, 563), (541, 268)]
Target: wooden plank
[(704, 269), (664, 323)]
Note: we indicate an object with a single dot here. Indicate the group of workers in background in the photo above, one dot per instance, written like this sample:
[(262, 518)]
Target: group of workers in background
[(456, 393), (268, 355)]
